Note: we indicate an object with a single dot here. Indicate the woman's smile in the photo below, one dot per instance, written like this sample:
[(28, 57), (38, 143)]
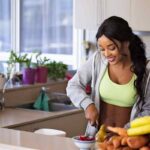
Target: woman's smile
[(112, 50)]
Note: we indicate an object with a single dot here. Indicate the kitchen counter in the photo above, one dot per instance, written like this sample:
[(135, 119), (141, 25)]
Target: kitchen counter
[(15, 117), (12, 117), (32, 120), (10, 147), (22, 140)]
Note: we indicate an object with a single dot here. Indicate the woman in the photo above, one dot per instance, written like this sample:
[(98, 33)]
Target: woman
[(119, 77)]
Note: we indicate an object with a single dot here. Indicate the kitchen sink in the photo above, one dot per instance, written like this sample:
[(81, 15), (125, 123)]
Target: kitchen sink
[(53, 107)]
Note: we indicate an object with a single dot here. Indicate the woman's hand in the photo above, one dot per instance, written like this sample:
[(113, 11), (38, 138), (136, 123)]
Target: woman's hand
[(91, 114)]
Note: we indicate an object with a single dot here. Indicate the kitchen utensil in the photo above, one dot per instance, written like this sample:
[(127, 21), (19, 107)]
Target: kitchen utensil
[(91, 130)]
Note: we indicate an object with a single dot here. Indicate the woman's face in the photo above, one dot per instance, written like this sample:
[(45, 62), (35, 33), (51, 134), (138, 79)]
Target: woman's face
[(113, 52)]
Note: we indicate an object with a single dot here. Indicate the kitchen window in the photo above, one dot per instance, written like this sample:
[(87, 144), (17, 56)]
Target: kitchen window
[(47, 25), (28, 26), (5, 31)]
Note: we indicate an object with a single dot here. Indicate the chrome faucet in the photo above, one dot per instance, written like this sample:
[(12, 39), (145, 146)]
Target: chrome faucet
[(9, 83), (2, 94), (2, 97)]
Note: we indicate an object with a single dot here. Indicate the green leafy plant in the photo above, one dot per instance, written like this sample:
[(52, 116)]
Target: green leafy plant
[(41, 61), (56, 70), (28, 62), (21, 59), (14, 58)]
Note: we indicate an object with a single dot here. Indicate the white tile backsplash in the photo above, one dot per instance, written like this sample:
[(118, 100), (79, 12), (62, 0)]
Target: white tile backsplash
[(145, 36)]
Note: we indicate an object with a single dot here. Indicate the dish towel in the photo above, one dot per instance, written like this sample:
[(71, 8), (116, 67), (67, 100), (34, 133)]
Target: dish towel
[(42, 102)]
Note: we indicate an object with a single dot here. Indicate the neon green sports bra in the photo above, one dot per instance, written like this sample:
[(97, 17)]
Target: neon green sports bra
[(115, 94)]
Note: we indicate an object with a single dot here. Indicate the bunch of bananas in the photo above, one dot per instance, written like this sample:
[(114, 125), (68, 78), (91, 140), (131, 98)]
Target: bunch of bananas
[(139, 126)]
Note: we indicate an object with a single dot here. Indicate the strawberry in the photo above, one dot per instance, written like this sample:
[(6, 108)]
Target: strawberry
[(86, 138)]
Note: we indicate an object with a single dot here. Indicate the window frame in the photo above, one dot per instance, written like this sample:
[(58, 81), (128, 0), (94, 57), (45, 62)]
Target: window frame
[(74, 59)]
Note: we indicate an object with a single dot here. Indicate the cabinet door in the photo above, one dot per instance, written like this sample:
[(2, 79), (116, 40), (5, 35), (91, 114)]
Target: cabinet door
[(73, 124), (85, 14), (140, 11), (89, 14), (119, 8)]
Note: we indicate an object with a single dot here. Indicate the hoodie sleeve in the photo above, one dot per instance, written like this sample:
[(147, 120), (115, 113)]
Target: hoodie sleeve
[(76, 86), (145, 106)]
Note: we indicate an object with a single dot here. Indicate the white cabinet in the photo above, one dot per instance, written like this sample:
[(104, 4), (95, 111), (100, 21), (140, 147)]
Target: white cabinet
[(85, 14), (119, 8), (140, 11), (89, 14)]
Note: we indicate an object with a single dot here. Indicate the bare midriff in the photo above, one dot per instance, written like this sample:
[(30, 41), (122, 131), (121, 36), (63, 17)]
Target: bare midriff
[(112, 115)]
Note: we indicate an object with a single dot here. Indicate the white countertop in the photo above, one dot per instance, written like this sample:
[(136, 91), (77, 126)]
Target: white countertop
[(10, 147), (22, 140)]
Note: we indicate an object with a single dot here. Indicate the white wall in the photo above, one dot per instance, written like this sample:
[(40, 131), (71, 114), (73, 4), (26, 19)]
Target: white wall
[(145, 36)]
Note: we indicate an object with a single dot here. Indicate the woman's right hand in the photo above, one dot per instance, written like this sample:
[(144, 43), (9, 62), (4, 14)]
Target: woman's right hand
[(91, 114)]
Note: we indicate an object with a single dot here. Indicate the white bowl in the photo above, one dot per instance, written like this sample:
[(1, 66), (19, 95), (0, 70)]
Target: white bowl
[(51, 132), (83, 145)]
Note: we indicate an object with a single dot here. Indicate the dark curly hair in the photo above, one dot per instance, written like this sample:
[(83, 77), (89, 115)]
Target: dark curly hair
[(117, 28)]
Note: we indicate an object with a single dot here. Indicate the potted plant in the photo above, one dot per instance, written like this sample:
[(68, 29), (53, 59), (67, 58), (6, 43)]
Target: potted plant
[(42, 70), (56, 70), (28, 73)]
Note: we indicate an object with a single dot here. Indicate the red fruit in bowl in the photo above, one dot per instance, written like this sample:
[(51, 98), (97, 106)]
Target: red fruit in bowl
[(86, 138)]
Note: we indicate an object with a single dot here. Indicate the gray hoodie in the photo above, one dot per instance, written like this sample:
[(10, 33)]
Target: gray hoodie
[(91, 73)]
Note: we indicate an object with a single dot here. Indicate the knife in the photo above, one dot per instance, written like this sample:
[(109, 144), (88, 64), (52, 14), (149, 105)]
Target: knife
[(91, 130)]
